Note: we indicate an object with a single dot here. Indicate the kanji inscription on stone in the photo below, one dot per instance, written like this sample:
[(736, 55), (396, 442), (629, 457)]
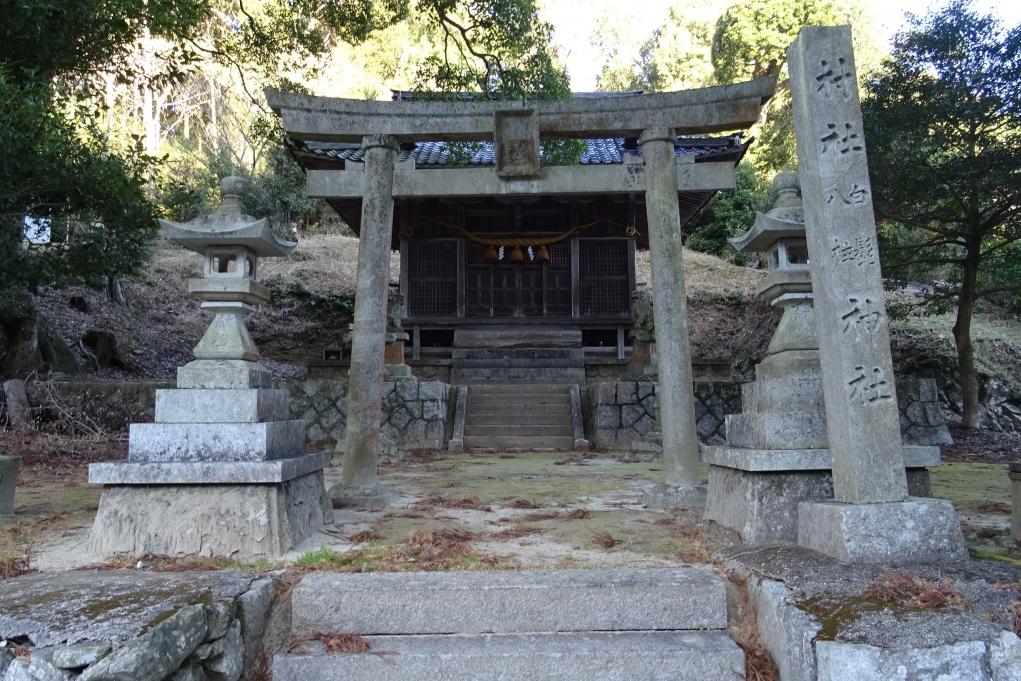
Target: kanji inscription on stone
[(853, 328), (517, 144)]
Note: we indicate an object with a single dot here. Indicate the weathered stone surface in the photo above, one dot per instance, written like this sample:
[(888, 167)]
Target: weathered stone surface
[(227, 337), (787, 632), (205, 472), (851, 320), (775, 460), (226, 660), (664, 497), (254, 610), (670, 309), (916, 529), (956, 662), (468, 602), (254, 521), (17, 670), (215, 406), (219, 616), (763, 507), (602, 656), (79, 655), (165, 442), (1005, 657), (42, 668), (365, 390), (189, 672), (8, 482), (113, 606), (157, 654), (794, 430), (223, 374)]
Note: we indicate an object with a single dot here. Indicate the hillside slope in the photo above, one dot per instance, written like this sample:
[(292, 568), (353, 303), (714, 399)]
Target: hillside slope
[(312, 299)]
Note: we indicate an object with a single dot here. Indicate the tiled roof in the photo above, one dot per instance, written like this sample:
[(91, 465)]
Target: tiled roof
[(597, 151)]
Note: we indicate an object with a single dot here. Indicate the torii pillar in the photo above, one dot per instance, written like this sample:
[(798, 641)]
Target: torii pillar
[(675, 390), (360, 485)]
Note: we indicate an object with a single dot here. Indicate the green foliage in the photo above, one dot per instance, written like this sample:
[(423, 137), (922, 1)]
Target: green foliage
[(751, 40), (943, 122), (730, 214)]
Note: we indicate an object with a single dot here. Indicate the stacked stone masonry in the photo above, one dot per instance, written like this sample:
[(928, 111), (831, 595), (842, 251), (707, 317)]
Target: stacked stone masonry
[(620, 413), (416, 414)]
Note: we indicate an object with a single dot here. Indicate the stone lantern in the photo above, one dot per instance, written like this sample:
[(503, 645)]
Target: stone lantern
[(780, 234), (223, 470), (231, 244)]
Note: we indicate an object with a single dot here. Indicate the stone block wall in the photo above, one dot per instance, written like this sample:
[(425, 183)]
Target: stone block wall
[(416, 414), (618, 413), (921, 417)]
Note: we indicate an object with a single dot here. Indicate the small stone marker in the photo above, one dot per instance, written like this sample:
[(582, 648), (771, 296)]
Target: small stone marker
[(876, 521), (1015, 497), (18, 410), (8, 480)]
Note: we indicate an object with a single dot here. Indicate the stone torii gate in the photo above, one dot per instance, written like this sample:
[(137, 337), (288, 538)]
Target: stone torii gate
[(517, 128)]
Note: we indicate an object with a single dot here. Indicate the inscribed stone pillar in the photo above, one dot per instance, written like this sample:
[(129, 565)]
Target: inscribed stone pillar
[(675, 392), (871, 520), (365, 383), (857, 371)]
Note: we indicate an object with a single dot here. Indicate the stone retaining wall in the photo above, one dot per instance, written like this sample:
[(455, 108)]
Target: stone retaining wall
[(416, 414), (617, 414)]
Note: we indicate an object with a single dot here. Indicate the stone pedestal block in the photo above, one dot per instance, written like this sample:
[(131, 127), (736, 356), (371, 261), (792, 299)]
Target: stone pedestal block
[(226, 374), (796, 430), (757, 492), (916, 530), (239, 521), (8, 480), (664, 497), (210, 405), (216, 441)]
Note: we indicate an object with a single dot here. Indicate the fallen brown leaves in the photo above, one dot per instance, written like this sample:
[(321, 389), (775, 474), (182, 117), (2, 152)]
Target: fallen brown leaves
[(156, 563), (445, 549), (12, 566), (521, 503), (997, 507), (604, 539), (538, 517), (365, 536), (912, 590), (437, 501), (744, 630), (347, 644), (516, 532), (578, 514)]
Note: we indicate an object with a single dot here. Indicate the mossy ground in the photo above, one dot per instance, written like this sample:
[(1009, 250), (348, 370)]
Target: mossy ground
[(535, 510)]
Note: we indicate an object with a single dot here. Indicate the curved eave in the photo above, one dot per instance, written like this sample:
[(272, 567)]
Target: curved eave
[(256, 236), (765, 232)]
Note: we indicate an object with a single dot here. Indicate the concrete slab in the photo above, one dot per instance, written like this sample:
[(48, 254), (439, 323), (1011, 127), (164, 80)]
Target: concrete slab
[(510, 602), (605, 656), (206, 405)]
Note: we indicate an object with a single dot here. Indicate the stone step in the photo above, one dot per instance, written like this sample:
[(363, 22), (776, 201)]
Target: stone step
[(529, 388), (519, 443), (538, 336), (516, 401), (518, 353), (521, 430), (517, 363), (509, 602), (594, 656), (518, 375), (521, 418)]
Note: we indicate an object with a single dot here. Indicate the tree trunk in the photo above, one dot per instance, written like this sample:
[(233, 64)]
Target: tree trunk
[(962, 339)]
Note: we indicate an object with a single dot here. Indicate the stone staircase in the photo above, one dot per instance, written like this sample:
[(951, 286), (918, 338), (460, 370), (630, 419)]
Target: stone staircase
[(519, 416), (577, 625), (517, 354)]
